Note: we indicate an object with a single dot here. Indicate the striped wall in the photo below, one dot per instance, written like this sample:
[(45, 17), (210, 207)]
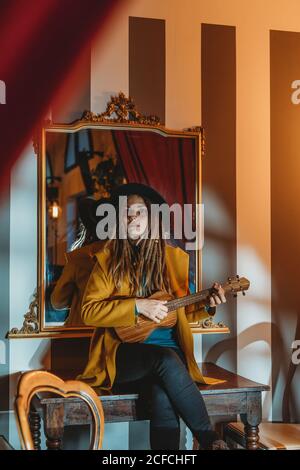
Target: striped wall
[(147, 65), (218, 67), (285, 227)]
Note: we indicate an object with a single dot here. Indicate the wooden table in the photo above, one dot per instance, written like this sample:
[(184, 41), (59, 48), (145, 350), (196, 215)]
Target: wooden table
[(237, 396)]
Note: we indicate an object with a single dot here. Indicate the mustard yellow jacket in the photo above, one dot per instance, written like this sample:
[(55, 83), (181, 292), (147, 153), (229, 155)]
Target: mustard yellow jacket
[(100, 311), (69, 289)]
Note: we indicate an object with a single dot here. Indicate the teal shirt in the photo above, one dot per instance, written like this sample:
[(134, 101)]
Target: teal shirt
[(162, 336)]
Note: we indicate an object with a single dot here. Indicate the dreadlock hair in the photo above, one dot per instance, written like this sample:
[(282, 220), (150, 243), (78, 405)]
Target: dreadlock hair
[(144, 265)]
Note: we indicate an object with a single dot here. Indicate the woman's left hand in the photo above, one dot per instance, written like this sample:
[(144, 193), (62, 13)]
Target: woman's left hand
[(218, 297)]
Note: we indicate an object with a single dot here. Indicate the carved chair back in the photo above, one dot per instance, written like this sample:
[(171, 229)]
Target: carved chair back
[(34, 382)]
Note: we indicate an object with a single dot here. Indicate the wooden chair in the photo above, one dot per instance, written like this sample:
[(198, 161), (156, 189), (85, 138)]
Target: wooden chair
[(34, 382), (272, 436)]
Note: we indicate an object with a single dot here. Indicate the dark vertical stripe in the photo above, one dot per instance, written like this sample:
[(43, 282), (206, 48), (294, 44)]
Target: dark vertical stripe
[(218, 72), (80, 99), (4, 307), (285, 222), (147, 63)]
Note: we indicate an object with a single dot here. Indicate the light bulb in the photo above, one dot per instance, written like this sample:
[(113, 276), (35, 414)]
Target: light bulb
[(54, 210)]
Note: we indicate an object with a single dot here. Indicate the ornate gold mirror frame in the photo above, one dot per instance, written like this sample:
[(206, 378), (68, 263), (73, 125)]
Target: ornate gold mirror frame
[(120, 114)]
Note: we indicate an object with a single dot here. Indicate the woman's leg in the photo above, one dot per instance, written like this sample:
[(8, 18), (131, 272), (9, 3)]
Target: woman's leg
[(136, 361), (164, 421)]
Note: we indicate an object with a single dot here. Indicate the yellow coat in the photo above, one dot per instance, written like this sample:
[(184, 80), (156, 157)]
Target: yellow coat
[(99, 311), (69, 289)]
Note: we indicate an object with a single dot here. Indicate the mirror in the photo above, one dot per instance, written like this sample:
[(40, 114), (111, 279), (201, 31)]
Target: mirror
[(89, 158)]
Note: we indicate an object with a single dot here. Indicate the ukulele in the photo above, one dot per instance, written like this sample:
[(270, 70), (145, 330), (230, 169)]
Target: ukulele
[(144, 326)]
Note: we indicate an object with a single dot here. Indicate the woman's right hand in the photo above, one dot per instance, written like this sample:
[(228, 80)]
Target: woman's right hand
[(155, 310)]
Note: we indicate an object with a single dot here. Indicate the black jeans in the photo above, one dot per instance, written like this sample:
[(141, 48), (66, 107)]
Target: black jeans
[(161, 376)]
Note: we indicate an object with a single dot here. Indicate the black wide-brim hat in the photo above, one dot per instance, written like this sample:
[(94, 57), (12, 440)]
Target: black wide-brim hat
[(141, 190)]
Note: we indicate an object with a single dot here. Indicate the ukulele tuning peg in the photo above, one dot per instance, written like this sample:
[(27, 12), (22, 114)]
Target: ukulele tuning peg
[(244, 293), (234, 295)]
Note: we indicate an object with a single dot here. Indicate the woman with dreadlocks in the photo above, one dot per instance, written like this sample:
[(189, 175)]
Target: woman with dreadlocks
[(127, 272)]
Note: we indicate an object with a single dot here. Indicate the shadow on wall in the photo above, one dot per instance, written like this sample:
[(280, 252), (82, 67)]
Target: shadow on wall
[(219, 260), (41, 355), (252, 335), (285, 330)]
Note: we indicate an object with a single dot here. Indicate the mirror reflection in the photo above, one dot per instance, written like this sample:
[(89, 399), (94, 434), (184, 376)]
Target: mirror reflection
[(83, 167)]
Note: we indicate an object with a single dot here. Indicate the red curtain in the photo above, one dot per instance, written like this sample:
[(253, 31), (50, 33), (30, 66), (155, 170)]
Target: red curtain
[(166, 164), (40, 40)]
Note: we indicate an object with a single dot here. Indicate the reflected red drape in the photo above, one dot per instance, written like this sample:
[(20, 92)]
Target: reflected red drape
[(166, 164), (40, 40)]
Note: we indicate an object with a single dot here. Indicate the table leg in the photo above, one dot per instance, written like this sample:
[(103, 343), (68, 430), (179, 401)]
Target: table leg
[(54, 426), (53, 444), (35, 427), (252, 419), (252, 437)]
